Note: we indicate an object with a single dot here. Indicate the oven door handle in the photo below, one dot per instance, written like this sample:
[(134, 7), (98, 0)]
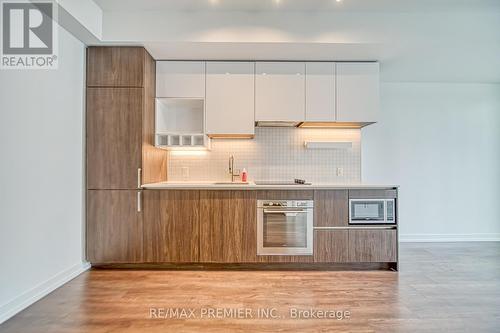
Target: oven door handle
[(283, 211)]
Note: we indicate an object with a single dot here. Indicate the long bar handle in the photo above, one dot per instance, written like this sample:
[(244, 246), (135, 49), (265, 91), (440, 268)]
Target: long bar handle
[(283, 211), (139, 201), (139, 174)]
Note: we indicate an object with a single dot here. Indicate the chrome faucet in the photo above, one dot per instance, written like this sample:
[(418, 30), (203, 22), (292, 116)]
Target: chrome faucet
[(231, 168)]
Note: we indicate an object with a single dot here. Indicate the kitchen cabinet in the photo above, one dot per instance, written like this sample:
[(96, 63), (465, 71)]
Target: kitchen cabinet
[(114, 226), (116, 67), (331, 246), (120, 152), (114, 137), (171, 226), (280, 91), (331, 208), (357, 92), (373, 245), (230, 99), (180, 79), (228, 226), (320, 91), (120, 120)]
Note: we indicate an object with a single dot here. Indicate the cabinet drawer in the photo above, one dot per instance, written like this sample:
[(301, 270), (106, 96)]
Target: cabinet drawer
[(373, 245)]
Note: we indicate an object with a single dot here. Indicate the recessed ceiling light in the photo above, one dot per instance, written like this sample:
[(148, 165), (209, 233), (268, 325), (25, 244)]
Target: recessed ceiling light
[(214, 2), (277, 2), (338, 0)]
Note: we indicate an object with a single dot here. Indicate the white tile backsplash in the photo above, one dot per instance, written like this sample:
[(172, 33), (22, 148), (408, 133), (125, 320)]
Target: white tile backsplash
[(274, 154)]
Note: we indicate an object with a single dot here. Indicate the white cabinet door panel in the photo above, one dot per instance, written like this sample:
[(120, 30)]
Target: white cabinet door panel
[(357, 91), (230, 98), (180, 79), (320, 91), (279, 91)]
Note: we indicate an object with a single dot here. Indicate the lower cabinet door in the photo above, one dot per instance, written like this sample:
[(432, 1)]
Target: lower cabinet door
[(331, 246), (373, 245), (228, 227), (114, 226), (171, 226)]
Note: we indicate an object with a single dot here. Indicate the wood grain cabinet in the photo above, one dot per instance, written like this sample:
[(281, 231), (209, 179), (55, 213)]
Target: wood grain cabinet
[(230, 99), (171, 226), (120, 119), (331, 208), (116, 66), (120, 150), (228, 230), (373, 245), (114, 226), (331, 246), (114, 137)]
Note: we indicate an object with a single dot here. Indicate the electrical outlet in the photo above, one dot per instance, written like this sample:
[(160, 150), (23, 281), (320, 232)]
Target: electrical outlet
[(340, 172), (185, 172)]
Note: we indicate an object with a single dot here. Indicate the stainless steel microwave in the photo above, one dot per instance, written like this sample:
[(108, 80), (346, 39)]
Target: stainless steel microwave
[(372, 211)]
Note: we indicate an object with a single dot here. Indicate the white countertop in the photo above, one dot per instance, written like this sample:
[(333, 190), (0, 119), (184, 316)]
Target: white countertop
[(204, 185)]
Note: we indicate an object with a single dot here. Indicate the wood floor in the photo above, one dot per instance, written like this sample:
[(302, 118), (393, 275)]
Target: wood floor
[(441, 287)]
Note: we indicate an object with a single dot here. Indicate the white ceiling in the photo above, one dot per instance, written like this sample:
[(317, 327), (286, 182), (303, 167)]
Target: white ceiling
[(299, 5), (414, 40)]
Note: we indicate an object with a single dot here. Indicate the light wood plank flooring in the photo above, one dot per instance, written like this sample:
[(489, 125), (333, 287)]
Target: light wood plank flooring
[(441, 287)]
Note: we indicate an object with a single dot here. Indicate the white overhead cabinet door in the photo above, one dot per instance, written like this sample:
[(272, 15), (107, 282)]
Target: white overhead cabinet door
[(180, 79), (320, 91), (279, 91), (230, 98), (357, 91)]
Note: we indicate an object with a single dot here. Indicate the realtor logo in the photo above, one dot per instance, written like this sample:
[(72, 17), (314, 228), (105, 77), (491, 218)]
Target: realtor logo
[(29, 35)]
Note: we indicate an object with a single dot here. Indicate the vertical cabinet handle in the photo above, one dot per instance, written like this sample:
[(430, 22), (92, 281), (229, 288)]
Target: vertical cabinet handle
[(139, 174), (139, 202)]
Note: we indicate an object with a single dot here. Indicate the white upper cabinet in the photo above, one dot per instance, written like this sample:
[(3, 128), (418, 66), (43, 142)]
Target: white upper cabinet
[(320, 91), (279, 91), (230, 98), (180, 79), (357, 91)]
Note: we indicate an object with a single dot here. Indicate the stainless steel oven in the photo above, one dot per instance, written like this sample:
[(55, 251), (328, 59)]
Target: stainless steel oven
[(372, 211), (285, 227)]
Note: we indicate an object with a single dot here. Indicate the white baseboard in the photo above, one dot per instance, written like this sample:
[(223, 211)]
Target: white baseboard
[(21, 302), (449, 237)]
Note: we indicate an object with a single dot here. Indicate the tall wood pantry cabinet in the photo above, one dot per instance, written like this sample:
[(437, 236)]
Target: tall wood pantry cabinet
[(120, 151)]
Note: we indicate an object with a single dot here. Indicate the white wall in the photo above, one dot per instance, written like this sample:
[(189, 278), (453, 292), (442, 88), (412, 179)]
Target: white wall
[(41, 172), (441, 143)]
